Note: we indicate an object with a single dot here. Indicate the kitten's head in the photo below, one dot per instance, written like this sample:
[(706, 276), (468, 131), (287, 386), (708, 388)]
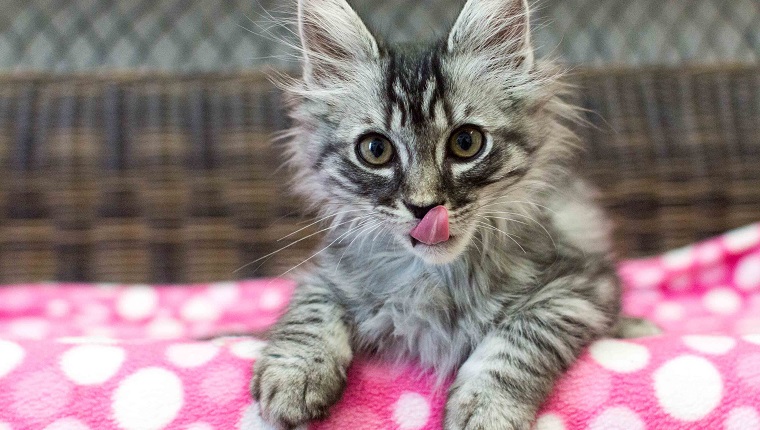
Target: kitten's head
[(399, 130)]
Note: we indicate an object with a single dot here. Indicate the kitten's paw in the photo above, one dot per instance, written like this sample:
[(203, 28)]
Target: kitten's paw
[(297, 387), (482, 408), (631, 327)]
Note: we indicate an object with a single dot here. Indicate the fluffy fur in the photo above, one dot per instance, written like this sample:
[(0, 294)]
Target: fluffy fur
[(525, 282)]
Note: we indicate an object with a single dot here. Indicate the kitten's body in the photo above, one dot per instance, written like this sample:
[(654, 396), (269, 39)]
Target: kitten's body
[(525, 280)]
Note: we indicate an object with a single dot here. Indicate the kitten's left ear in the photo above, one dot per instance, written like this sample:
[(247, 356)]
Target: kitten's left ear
[(333, 38), (498, 29)]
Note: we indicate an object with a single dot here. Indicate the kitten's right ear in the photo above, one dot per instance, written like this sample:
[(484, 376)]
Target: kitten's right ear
[(333, 39), (495, 30)]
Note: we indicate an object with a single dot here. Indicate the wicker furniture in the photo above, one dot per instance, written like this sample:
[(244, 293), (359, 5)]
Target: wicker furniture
[(151, 178)]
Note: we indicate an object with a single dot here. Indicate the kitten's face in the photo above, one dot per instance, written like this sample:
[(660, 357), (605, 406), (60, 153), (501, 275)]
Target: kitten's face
[(401, 131)]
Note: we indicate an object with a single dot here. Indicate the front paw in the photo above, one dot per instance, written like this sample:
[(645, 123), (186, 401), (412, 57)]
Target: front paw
[(479, 406), (294, 387)]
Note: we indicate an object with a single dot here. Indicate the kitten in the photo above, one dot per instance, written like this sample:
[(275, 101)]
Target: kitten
[(461, 239)]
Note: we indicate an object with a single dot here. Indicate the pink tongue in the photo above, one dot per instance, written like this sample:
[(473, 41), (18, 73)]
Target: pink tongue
[(433, 228)]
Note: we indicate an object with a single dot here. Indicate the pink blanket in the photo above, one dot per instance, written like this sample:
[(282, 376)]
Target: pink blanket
[(78, 357)]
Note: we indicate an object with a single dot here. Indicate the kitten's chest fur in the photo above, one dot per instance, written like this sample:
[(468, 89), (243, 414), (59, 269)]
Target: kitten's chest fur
[(404, 310)]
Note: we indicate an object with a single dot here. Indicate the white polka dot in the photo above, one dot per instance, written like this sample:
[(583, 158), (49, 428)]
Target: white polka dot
[(710, 344), (411, 411), (57, 308), (678, 259), (648, 277), (688, 387), (722, 301), (5, 426), (680, 283), (29, 328), (669, 311), (247, 349), (710, 253), (251, 420), (11, 355), (752, 338), (742, 239), (619, 356), (224, 293), (743, 418), (200, 308), (549, 422), (92, 364), (747, 273), (165, 328), (191, 354), (271, 299), (67, 424), (148, 399), (137, 302), (617, 418)]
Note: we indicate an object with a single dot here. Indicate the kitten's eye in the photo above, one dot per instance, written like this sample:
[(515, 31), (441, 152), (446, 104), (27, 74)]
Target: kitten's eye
[(375, 150), (466, 142)]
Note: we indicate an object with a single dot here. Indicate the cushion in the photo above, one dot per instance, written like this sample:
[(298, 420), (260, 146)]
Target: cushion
[(169, 356)]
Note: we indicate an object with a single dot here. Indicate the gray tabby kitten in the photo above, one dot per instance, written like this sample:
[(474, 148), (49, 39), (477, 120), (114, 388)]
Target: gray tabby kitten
[(460, 238)]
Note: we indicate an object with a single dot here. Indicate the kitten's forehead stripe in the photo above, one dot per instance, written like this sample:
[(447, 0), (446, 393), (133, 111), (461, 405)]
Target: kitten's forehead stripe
[(413, 78)]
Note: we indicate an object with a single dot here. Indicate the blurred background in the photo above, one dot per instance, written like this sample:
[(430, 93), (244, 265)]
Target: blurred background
[(135, 134), (64, 36)]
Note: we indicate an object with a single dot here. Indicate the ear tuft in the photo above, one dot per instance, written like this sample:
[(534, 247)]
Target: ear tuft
[(497, 29), (333, 38)]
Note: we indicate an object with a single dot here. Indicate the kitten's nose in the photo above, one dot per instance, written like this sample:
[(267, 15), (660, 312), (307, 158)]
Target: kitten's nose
[(420, 211)]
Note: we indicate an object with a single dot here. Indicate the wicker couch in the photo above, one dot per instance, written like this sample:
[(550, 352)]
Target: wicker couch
[(152, 178)]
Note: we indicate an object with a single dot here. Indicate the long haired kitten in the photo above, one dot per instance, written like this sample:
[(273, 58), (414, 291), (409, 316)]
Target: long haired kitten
[(461, 238)]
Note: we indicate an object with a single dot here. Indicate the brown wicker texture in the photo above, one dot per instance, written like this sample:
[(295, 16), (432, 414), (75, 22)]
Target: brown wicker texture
[(173, 179)]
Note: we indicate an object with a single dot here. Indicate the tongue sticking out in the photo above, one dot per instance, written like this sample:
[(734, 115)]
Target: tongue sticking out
[(433, 228)]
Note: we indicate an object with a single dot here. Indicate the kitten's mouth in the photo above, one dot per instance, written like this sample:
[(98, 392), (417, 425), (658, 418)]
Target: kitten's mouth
[(433, 228)]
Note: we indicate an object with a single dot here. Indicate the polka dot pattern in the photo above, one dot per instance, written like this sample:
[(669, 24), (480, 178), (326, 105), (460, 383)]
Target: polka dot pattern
[(76, 358), (617, 418), (722, 301), (148, 399), (688, 387), (411, 411), (91, 364), (620, 356), (11, 355), (743, 418), (714, 345)]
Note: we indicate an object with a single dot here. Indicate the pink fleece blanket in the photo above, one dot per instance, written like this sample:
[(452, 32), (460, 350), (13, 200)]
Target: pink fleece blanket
[(78, 357)]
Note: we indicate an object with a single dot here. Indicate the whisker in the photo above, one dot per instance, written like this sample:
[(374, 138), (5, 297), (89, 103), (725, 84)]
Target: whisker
[(503, 232), (349, 245), (293, 243), (320, 220), (525, 216), (315, 254)]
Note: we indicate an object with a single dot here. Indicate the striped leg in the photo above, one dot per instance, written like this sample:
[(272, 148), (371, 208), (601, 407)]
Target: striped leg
[(302, 371), (509, 375)]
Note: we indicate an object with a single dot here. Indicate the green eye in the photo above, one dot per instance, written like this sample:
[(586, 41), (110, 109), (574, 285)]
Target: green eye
[(466, 142), (375, 150)]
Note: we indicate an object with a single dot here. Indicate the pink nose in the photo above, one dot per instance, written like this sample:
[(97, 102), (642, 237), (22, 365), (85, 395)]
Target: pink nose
[(433, 228)]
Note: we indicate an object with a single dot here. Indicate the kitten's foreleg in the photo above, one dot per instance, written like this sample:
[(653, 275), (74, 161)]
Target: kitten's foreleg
[(510, 374), (302, 371)]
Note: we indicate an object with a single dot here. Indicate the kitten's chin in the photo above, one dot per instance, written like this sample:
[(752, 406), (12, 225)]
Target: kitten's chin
[(440, 253)]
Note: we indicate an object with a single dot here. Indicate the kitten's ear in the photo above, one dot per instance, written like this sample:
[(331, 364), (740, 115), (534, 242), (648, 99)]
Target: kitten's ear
[(497, 29), (333, 38)]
